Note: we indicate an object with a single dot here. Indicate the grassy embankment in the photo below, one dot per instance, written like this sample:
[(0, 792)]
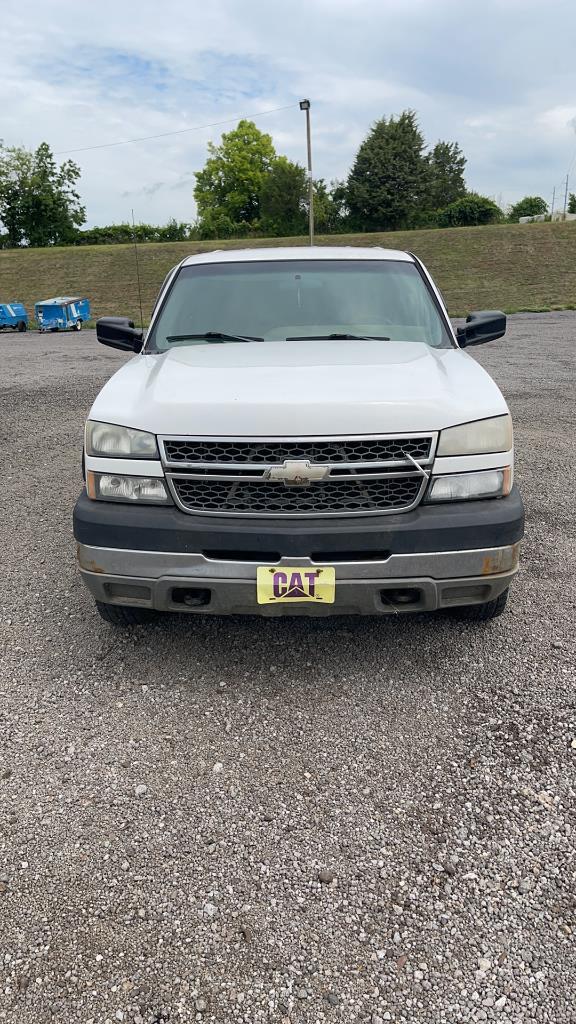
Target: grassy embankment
[(505, 266)]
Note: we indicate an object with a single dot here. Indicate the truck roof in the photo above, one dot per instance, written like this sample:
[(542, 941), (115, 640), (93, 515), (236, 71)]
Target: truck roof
[(61, 301), (294, 252)]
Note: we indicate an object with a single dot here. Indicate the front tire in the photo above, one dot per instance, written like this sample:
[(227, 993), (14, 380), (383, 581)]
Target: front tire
[(22, 326), (124, 615), (481, 612), (78, 325)]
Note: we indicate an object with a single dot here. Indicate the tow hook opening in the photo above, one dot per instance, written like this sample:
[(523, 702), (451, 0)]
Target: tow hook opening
[(402, 596), (191, 597)]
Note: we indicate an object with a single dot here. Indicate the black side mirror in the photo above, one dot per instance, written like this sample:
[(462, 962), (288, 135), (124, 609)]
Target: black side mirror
[(486, 325), (118, 332)]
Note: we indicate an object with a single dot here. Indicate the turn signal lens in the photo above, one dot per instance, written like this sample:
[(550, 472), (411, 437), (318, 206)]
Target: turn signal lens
[(489, 483)]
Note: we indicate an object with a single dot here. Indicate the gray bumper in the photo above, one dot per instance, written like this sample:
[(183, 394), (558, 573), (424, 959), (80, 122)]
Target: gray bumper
[(193, 583)]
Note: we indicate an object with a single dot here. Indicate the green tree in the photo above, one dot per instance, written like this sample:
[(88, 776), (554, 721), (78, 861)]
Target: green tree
[(572, 202), (329, 208), (228, 188), (530, 206), (387, 183), (174, 231), (39, 204), (284, 202), (472, 209), (283, 199), (446, 163)]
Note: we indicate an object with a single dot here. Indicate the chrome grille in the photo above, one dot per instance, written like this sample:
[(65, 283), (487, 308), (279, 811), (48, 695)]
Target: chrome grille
[(245, 477)]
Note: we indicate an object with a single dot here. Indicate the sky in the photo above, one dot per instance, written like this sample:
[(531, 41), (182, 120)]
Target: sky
[(498, 77)]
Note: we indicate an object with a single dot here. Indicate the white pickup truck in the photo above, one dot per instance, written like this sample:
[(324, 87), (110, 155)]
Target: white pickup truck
[(299, 432)]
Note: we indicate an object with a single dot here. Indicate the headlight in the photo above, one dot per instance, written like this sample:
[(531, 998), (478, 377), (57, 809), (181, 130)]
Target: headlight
[(488, 483), (148, 490), (119, 442), (478, 438)]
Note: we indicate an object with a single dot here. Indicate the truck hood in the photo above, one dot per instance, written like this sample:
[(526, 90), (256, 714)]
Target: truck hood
[(299, 388)]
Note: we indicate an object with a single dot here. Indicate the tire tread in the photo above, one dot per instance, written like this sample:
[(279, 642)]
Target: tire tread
[(124, 615)]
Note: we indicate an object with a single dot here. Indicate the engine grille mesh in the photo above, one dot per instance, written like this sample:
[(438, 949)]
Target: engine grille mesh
[(223, 451), (269, 498)]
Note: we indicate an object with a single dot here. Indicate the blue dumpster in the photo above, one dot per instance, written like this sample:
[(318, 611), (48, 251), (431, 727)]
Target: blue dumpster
[(13, 314), (62, 314)]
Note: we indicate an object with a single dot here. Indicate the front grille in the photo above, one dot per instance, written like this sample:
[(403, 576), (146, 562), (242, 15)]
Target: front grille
[(186, 451), (328, 496), (358, 475)]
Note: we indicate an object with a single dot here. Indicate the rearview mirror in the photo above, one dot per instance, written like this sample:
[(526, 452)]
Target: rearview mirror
[(486, 325), (118, 332)]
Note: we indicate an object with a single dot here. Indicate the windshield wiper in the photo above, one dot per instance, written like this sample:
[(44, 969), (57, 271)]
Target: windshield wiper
[(339, 337), (211, 336)]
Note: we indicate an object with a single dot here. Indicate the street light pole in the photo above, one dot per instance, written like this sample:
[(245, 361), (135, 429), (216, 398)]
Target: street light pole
[(305, 105)]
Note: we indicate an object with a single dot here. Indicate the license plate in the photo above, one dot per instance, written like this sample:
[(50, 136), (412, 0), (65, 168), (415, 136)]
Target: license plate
[(294, 584)]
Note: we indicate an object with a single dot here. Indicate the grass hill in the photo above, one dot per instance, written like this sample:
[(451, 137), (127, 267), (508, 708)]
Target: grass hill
[(503, 266)]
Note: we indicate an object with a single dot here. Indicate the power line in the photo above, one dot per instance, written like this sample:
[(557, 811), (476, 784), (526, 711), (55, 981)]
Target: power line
[(181, 131)]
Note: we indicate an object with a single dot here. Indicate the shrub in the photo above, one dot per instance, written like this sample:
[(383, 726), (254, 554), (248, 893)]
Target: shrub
[(115, 234), (220, 225), (471, 210), (530, 206)]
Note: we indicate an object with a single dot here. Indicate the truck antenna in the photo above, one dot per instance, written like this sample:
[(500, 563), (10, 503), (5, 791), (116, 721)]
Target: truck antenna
[(137, 272)]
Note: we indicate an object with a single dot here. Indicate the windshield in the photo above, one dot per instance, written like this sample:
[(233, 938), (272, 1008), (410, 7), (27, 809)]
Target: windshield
[(297, 300)]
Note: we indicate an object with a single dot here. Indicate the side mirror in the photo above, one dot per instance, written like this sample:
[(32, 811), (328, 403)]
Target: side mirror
[(118, 332), (487, 325)]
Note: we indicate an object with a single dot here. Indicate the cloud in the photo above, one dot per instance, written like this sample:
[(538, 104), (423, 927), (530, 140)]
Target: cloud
[(492, 77), (556, 120), (186, 181), (146, 190)]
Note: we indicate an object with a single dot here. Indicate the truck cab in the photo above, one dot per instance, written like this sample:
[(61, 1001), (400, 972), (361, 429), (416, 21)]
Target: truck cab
[(300, 431)]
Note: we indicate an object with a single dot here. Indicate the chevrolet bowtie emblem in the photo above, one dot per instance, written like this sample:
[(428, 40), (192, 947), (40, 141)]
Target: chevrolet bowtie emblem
[(297, 473)]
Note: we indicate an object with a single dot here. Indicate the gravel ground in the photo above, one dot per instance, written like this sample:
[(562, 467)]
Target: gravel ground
[(295, 820)]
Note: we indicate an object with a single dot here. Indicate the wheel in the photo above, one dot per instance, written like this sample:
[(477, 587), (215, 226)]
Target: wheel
[(22, 325), (481, 612), (77, 326), (124, 615)]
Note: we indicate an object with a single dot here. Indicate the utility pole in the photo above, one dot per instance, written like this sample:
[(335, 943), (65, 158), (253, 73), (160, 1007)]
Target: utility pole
[(305, 105), (553, 199), (566, 197)]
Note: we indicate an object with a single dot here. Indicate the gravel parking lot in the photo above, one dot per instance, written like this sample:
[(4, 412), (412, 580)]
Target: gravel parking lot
[(284, 820)]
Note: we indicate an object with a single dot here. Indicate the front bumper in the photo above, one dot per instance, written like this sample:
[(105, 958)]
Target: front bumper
[(434, 557), (405, 583)]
